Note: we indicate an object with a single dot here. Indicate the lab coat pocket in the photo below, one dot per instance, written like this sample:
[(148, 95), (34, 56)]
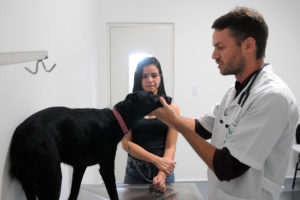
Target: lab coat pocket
[(225, 196)]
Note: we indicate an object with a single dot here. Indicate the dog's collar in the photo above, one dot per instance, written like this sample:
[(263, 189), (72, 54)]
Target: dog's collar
[(120, 121)]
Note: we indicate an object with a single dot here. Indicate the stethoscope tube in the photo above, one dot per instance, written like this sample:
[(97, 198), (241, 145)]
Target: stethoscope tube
[(246, 93), (244, 96)]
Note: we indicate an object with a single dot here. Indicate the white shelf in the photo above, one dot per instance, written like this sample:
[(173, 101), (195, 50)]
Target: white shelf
[(7, 58)]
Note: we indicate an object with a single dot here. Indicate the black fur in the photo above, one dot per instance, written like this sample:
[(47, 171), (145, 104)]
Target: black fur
[(78, 137)]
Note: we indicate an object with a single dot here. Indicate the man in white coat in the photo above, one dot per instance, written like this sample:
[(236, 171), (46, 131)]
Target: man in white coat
[(253, 126)]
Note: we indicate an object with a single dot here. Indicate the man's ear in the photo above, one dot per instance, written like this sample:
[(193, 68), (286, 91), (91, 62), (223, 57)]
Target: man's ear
[(248, 47), (249, 44)]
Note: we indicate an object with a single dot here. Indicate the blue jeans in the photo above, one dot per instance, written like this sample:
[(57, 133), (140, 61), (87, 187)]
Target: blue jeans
[(141, 172)]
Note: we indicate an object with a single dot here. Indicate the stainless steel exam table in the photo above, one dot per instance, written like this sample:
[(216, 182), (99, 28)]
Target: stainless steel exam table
[(174, 191)]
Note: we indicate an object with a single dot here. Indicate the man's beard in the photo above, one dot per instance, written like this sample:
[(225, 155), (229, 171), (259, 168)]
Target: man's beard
[(234, 67)]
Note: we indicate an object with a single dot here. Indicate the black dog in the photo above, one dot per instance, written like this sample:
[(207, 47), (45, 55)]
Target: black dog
[(78, 137)]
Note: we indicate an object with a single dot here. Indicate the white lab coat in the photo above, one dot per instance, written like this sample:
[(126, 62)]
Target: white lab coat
[(262, 138)]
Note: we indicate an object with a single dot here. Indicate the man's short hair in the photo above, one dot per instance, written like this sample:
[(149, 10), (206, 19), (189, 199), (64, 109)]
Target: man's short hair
[(243, 23)]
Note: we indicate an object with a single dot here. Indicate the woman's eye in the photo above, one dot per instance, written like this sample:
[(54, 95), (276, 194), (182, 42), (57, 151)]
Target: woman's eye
[(154, 75)]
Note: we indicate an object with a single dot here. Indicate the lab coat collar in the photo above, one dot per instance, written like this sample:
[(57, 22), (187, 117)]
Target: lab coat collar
[(232, 100)]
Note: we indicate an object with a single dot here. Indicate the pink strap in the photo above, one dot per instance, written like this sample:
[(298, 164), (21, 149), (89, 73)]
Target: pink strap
[(120, 121)]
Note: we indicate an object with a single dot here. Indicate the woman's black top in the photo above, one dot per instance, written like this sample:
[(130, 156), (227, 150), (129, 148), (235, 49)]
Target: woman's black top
[(151, 135)]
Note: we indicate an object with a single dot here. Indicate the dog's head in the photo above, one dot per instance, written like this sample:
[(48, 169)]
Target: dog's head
[(138, 104)]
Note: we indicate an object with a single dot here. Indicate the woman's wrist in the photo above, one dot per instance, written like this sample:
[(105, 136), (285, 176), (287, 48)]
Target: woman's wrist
[(163, 174), (155, 159)]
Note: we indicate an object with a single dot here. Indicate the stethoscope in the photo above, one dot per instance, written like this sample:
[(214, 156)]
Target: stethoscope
[(241, 101)]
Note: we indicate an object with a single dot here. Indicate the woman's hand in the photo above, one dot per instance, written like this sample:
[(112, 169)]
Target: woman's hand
[(159, 182), (166, 165)]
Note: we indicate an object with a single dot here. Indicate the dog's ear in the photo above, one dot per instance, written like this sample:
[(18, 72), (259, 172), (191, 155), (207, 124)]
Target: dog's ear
[(144, 96), (134, 97), (131, 98)]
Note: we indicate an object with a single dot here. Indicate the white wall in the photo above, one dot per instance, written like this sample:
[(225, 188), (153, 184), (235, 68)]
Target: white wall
[(68, 31), (74, 33)]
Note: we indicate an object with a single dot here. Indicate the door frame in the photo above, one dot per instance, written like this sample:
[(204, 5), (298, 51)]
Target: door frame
[(111, 25)]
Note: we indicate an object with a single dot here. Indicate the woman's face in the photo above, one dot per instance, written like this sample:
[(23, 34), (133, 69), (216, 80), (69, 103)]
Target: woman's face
[(151, 78)]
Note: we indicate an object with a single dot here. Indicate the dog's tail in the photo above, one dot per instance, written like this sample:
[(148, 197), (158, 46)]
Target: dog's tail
[(17, 151), (35, 162)]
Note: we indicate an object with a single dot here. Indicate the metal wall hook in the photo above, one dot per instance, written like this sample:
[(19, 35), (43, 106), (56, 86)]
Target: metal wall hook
[(37, 67)]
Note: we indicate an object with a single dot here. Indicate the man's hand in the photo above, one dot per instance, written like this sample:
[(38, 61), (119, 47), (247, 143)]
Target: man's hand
[(166, 113)]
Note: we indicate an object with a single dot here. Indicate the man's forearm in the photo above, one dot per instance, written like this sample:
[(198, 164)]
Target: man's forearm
[(204, 149)]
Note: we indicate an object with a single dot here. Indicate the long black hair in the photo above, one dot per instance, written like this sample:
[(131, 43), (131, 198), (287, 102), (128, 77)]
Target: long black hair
[(138, 75)]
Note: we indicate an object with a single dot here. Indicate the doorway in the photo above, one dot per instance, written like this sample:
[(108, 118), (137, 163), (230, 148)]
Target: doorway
[(128, 44)]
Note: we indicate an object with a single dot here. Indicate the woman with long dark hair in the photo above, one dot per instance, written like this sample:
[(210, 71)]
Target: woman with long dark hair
[(151, 144)]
